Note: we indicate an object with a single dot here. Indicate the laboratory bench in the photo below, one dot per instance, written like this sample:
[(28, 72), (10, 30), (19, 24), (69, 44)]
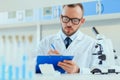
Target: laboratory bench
[(77, 77)]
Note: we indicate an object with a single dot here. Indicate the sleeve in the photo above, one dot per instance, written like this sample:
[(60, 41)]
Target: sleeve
[(40, 49), (84, 70), (90, 60), (43, 47)]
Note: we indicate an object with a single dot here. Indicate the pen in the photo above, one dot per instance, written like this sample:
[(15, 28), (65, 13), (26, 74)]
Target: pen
[(52, 46)]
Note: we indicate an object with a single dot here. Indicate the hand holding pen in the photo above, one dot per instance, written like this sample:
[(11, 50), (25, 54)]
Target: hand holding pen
[(53, 50)]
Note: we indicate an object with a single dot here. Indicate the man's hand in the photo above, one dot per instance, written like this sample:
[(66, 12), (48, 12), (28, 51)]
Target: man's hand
[(51, 52), (69, 66)]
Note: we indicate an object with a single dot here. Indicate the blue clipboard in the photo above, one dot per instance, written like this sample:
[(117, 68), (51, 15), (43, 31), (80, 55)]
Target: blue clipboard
[(51, 59)]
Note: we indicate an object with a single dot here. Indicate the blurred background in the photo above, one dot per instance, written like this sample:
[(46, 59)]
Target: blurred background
[(24, 23)]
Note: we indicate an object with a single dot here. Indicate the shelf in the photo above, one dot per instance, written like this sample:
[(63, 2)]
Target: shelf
[(103, 17), (27, 24), (15, 25)]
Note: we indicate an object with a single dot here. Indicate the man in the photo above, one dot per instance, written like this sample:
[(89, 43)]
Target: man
[(70, 41)]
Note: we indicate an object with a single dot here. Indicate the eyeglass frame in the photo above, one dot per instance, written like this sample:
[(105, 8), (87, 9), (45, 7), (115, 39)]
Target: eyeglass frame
[(70, 19)]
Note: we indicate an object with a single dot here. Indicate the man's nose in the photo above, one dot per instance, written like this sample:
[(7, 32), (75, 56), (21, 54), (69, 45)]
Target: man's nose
[(69, 23)]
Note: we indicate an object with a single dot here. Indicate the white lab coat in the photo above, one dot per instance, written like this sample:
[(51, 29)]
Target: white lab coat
[(81, 48)]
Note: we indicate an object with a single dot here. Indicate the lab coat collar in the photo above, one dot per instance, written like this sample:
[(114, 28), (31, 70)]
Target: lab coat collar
[(80, 35)]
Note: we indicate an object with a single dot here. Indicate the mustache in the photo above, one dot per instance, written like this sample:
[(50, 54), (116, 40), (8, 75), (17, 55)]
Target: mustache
[(68, 26)]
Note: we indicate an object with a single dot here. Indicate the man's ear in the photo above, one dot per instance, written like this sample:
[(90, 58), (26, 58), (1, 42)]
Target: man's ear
[(83, 20)]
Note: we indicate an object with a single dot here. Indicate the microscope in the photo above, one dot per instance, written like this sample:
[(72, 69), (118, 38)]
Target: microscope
[(105, 55)]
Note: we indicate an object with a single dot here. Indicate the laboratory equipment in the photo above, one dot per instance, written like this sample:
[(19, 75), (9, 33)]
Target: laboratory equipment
[(106, 56)]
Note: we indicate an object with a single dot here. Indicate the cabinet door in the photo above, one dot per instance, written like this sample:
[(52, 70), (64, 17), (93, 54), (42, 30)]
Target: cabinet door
[(111, 6), (89, 8)]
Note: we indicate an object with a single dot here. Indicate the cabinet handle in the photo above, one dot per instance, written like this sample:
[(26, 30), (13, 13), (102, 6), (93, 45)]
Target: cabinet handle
[(99, 7), (102, 8)]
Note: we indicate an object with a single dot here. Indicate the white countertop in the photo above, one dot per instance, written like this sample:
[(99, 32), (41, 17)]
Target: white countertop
[(78, 77)]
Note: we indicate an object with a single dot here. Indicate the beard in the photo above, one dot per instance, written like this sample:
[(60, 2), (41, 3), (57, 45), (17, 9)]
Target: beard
[(68, 31)]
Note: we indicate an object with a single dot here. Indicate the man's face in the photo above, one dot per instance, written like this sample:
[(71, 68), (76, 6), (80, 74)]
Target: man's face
[(71, 19)]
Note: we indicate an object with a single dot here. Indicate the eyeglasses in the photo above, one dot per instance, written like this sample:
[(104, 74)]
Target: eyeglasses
[(66, 19)]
